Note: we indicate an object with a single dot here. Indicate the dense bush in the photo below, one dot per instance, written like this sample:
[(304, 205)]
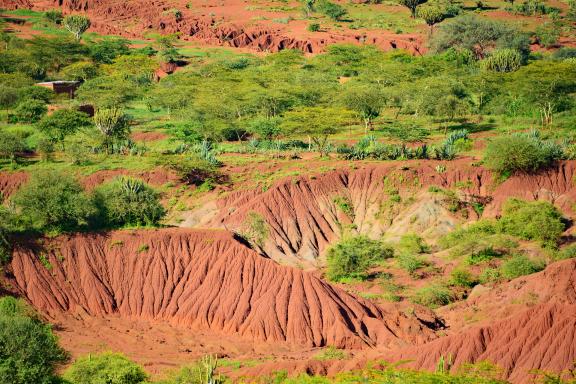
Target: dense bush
[(520, 153), (62, 123), (519, 265), (192, 170), (128, 201), (330, 9), (353, 256), (503, 60), (433, 296), (53, 201), (30, 111), (537, 220), (29, 351), (462, 277), (105, 368), (11, 146)]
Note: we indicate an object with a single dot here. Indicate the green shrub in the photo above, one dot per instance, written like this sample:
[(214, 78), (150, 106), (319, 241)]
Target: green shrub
[(203, 371), (53, 201), (191, 170), (412, 243), (537, 220), (547, 34), (479, 373), (519, 265), (107, 367), (129, 201), (433, 296), (255, 229), (54, 15), (330, 9), (353, 256), (490, 275), (568, 252), (331, 353), (520, 153), (62, 123), (462, 277), (503, 60), (29, 351), (11, 146), (482, 256), (345, 205), (410, 262), (266, 129), (533, 8), (30, 111), (313, 27)]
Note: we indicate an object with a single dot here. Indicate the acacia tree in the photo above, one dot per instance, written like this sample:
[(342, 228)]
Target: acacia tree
[(76, 25), (62, 123), (431, 15), (412, 5), (308, 7), (113, 124), (366, 101), (317, 123)]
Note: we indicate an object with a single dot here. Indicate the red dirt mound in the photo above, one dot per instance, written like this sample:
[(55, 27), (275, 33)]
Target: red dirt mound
[(11, 181), (202, 280), (556, 284), (307, 214), (543, 338)]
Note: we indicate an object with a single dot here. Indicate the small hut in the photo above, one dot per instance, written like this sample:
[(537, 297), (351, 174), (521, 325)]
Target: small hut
[(59, 87)]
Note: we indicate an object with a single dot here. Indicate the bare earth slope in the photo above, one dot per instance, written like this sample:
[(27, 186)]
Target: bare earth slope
[(305, 215), (204, 280), (535, 336), (555, 284), (543, 337)]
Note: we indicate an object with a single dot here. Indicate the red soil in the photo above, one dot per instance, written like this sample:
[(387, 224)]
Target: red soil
[(543, 338), (556, 284), (202, 280), (217, 23), (539, 335), (10, 182), (148, 136), (156, 177), (304, 218)]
